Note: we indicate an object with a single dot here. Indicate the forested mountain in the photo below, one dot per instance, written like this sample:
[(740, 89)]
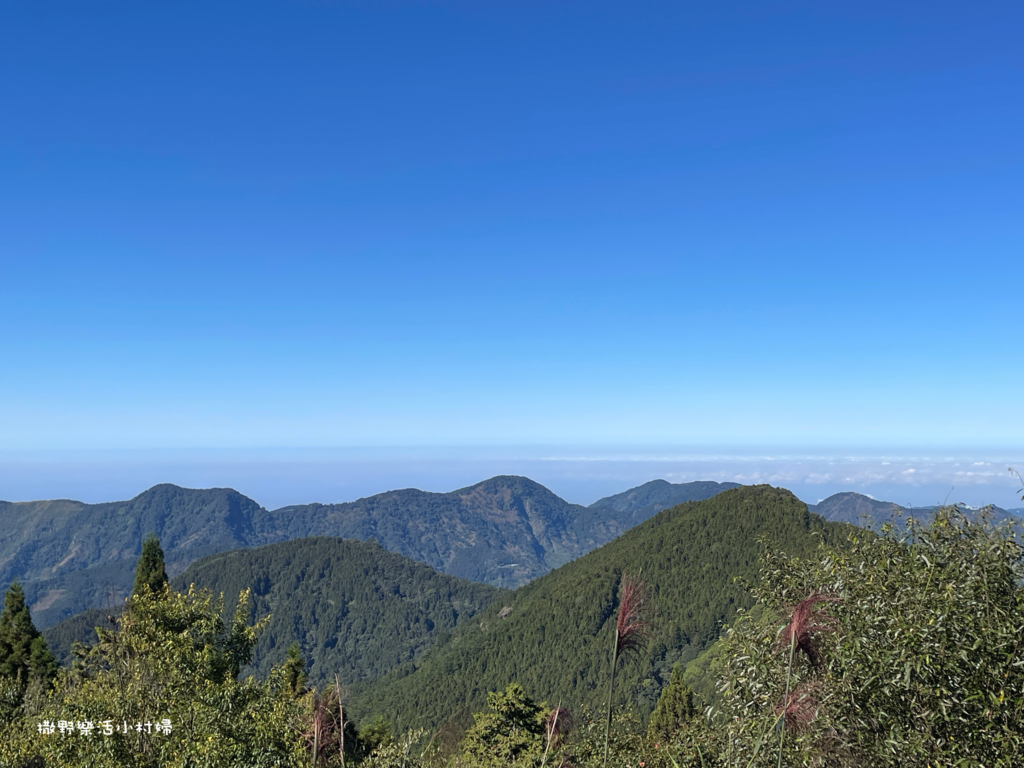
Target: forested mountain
[(855, 508), (858, 509), (554, 634), (631, 507), (72, 555), (81, 628), (503, 531), (355, 609)]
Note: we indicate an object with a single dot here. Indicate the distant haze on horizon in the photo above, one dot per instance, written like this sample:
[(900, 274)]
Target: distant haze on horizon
[(276, 478)]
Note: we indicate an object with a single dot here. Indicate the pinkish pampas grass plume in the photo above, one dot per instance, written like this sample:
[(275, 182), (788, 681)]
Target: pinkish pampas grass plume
[(805, 622), (559, 724), (632, 630), (798, 708), (633, 627)]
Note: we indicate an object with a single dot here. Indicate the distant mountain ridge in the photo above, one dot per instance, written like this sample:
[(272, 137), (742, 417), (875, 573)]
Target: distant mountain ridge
[(638, 504), (71, 555), (503, 531), (859, 509)]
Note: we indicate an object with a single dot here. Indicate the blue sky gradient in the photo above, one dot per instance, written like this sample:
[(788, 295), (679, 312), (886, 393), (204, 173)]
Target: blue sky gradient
[(316, 224)]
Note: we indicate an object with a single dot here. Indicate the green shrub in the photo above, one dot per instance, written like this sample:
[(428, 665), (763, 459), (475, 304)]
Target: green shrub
[(909, 654)]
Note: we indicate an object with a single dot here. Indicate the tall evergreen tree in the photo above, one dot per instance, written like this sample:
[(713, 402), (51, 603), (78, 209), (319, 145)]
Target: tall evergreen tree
[(295, 670), (150, 569), (23, 651), (512, 729), (675, 707)]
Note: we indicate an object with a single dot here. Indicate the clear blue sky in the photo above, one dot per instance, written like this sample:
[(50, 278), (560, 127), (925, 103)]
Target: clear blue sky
[(501, 223)]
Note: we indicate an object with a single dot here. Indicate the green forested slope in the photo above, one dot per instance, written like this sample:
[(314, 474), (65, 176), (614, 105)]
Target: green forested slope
[(356, 610), (502, 531), (556, 635), (72, 555), (613, 515), (81, 628)]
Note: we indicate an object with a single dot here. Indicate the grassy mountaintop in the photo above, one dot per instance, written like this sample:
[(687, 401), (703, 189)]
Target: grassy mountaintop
[(553, 635)]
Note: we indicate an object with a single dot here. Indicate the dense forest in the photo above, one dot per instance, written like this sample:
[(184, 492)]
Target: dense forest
[(355, 610)]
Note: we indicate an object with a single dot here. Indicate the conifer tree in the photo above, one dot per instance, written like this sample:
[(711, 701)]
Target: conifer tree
[(174, 663), (295, 669), (512, 729), (150, 569), (23, 652), (675, 707)]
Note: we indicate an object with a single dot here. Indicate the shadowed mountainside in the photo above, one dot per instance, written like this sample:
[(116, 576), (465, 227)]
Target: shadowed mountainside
[(71, 555), (632, 507)]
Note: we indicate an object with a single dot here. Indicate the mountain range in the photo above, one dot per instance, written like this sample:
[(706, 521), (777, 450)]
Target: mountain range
[(866, 511), (503, 531), (419, 645)]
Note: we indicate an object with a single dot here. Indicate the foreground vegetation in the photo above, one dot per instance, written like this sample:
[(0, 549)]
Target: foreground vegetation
[(903, 649)]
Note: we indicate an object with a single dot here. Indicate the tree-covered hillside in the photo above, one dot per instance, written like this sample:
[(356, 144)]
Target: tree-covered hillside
[(79, 628), (356, 610), (617, 514), (503, 531), (47, 544), (553, 635)]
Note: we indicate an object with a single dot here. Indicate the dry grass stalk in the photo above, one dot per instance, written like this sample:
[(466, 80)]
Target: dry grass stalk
[(633, 628), (806, 621)]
